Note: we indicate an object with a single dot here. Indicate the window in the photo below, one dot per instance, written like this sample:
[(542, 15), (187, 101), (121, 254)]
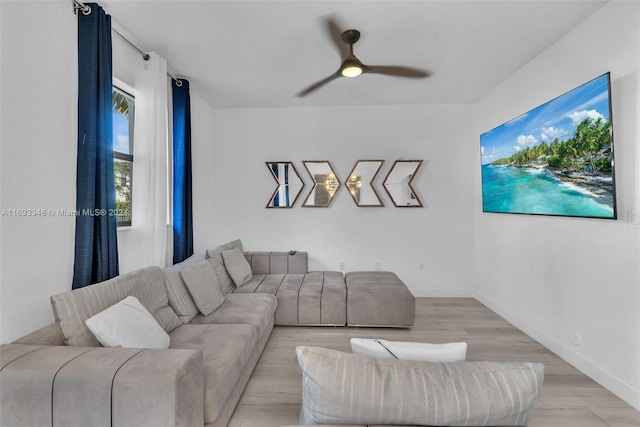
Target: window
[(123, 119)]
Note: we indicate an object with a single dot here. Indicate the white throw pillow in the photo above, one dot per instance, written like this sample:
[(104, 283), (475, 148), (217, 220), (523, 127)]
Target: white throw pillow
[(128, 324), (237, 266), (451, 352)]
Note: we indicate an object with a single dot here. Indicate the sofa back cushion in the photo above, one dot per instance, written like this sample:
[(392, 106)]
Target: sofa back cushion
[(217, 262), (203, 286), (214, 255), (179, 297), (151, 291), (237, 266), (293, 262), (346, 388), (72, 308)]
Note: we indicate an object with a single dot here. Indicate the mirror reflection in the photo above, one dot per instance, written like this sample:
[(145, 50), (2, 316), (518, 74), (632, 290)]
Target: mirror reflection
[(360, 180), (398, 184), (325, 184), (289, 184)]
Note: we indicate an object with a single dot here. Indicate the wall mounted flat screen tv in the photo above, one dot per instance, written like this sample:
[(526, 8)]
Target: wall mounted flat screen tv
[(556, 159)]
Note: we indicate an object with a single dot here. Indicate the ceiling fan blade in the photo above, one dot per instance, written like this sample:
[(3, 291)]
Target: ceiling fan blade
[(336, 36), (392, 70), (319, 84)]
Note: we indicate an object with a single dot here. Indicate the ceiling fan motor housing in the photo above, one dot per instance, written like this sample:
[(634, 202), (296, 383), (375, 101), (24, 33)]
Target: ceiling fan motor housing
[(350, 36)]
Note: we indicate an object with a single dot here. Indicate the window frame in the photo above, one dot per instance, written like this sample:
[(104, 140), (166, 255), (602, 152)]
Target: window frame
[(125, 90)]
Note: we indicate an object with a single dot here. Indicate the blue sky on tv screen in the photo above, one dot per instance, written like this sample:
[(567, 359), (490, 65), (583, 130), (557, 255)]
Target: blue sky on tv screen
[(557, 118)]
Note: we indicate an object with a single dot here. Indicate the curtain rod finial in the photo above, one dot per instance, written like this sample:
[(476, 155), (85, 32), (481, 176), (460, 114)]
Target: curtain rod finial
[(86, 9)]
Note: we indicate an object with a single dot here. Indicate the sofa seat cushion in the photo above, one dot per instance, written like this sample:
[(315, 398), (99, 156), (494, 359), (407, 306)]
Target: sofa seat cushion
[(246, 309), (322, 299), (316, 298), (267, 283), (226, 351)]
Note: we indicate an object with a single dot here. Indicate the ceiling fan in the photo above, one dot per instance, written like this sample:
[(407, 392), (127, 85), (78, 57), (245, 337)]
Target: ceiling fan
[(352, 66)]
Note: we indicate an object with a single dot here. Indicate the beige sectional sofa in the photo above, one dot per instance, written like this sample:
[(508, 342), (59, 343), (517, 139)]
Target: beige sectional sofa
[(61, 375)]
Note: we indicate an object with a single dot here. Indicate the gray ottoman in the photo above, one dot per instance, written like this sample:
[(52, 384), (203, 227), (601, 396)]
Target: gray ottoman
[(378, 298)]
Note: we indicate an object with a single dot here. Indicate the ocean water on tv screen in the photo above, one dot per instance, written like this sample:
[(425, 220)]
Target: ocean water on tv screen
[(531, 191)]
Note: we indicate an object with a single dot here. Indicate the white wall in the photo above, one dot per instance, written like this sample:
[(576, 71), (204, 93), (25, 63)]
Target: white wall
[(38, 142), (232, 186), (554, 277)]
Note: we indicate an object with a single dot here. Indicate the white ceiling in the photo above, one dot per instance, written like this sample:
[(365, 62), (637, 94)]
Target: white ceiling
[(243, 54)]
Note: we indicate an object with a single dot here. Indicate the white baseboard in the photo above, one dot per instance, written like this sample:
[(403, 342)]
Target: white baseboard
[(443, 293), (598, 373)]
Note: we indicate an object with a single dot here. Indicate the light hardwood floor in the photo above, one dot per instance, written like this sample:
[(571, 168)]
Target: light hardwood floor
[(569, 398)]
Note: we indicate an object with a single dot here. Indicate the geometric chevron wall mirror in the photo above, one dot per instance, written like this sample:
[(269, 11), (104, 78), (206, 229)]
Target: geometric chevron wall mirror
[(325, 184), (289, 185), (398, 184), (359, 183)]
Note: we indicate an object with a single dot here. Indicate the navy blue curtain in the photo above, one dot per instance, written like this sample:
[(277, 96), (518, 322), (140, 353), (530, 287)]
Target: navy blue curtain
[(182, 202), (96, 245)]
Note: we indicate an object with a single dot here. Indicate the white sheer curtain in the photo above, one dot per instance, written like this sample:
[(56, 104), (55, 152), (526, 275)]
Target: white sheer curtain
[(150, 170)]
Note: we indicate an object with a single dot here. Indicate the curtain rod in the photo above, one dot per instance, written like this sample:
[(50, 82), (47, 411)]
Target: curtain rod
[(86, 9)]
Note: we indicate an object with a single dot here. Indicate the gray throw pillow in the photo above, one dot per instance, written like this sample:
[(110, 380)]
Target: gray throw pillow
[(214, 256), (231, 245), (237, 266), (346, 388), (179, 297), (202, 283)]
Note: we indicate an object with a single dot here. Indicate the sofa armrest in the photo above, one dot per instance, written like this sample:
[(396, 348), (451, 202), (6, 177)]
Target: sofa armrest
[(47, 335), (91, 386), (277, 262)]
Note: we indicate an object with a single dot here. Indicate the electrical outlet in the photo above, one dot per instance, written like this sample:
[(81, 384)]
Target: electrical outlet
[(342, 266), (634, 220), (377, 266), (421, 266)]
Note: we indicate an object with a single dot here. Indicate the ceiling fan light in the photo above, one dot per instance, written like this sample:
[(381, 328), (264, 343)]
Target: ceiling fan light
[(351, 71)]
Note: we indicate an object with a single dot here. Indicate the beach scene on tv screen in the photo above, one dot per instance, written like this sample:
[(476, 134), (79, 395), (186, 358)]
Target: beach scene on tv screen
[(556, 159)]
